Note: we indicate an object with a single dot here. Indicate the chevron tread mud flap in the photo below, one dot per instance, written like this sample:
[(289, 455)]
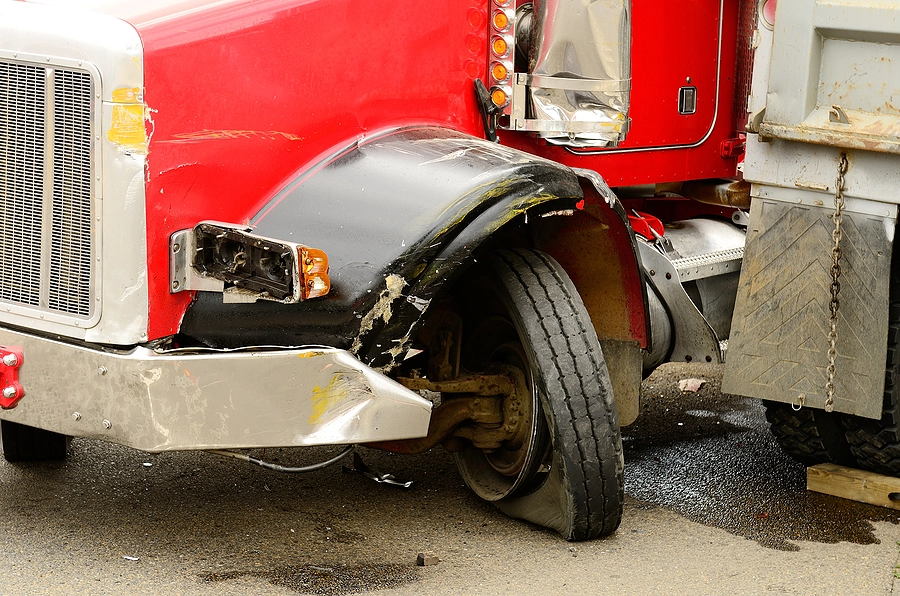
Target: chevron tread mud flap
[(779, 338)]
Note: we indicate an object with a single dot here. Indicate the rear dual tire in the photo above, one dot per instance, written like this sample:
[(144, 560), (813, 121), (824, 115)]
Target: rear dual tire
[(876, 443), (814, 436), (809, 435)]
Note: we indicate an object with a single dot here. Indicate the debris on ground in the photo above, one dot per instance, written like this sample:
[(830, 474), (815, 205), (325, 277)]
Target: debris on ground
[(692, 385)]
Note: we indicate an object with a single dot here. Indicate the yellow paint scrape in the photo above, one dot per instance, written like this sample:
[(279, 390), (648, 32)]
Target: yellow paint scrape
[(126, 95), (336, 391), (126, 128)]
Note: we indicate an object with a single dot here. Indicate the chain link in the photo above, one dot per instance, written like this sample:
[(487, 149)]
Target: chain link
[(836, 236)]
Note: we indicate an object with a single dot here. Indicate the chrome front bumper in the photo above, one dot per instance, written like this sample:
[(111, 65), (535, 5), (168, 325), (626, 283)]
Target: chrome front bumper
[(165, 401)]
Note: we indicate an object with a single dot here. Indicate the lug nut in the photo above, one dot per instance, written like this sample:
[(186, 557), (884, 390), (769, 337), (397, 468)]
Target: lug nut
[(76, 416), (9, 392), (10, 360), (107, 424)]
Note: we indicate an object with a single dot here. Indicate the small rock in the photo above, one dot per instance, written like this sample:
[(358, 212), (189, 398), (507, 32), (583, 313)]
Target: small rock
[(426, 558)]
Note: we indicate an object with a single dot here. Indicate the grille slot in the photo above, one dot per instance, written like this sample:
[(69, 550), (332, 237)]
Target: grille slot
[(46, 234)]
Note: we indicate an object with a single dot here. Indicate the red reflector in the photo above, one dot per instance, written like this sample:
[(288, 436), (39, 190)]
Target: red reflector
[(768, 12), (11, 391)]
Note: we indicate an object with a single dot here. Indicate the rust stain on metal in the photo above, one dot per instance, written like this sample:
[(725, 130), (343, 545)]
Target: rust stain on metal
[(865, 131), (728, 194)]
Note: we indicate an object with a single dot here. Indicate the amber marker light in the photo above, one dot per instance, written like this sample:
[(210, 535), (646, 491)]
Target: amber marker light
[(500, 21), (499, 97), (499, 72), (499, 46), (314, 280)]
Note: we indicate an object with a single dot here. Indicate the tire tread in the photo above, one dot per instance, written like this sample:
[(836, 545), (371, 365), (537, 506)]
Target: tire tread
[(595, 469), (876, 443), (809, 435)]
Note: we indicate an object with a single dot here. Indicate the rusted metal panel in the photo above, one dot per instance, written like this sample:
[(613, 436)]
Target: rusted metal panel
[(779, 338)]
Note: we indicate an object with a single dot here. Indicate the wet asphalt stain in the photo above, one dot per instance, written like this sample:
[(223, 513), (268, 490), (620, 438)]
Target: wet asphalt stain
[(711, 457), (331, 580)]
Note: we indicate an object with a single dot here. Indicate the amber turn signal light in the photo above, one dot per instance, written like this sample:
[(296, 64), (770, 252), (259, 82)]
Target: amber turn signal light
[(499, 46), (499, 71), (499, 97), (500, 21), (314, 280)]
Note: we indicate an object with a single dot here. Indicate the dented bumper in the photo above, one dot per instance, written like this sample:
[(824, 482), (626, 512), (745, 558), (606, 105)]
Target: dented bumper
[(178, 400)]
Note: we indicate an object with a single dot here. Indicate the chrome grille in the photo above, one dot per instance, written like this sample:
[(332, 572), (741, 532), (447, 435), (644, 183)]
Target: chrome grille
[(70, 257), (46, 235), (22, 126)]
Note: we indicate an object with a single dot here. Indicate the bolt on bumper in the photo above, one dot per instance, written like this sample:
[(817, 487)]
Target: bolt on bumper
[(180, 400)]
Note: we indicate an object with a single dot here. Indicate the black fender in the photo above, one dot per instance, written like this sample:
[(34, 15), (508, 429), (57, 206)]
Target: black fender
[(399, 215)]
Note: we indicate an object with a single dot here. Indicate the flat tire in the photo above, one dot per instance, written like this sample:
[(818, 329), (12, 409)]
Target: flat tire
[(574, 480)]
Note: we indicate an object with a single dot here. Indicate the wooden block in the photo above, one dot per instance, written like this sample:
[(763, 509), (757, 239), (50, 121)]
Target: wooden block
[(856, 485)]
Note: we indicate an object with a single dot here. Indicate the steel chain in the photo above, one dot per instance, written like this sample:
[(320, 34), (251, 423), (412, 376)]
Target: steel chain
[(836, 236)]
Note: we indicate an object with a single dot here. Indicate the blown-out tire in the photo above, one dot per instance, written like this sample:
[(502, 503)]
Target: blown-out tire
[(809, 435), (876, 443), (25, 443), (570, 477)]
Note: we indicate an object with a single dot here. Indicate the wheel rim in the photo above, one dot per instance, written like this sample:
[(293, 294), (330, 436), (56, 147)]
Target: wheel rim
[(521, 463)]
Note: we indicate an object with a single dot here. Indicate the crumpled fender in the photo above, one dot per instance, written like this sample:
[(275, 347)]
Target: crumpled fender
[(399, 216)]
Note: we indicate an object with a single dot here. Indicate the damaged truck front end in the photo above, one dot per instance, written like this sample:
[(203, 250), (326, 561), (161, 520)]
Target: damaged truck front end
[(303, 260), (75, 275)]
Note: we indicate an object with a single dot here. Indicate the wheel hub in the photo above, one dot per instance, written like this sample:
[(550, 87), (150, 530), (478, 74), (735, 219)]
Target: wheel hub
[(514, 465)]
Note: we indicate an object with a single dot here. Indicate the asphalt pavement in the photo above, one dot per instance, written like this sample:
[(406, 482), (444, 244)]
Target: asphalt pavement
[(712, 507)]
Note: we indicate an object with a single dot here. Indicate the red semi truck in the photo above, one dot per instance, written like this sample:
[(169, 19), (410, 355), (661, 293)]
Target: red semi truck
[(283, 223)]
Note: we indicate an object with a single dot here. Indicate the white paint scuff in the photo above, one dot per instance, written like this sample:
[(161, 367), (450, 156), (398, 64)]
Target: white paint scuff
[(394, 285)]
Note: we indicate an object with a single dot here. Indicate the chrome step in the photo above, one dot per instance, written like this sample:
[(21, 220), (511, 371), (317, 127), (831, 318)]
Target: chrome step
[(709, 264)]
